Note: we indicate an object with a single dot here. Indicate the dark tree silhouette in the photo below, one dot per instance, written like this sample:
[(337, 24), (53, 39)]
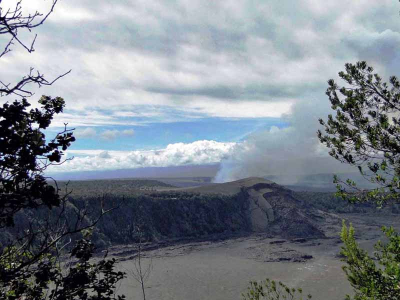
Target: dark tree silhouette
[(44, 224), (365, 132), (25, 155)]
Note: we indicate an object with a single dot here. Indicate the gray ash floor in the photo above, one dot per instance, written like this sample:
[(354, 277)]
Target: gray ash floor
[(221, 269)]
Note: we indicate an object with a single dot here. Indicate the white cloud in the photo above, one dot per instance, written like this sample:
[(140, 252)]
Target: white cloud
[(128, 132), (113, 134), (85, 133), (226, 59), (65, 14), (244, 109), (142, 112), (90, 132), (244, 53), (196, 153), (104, 154), (109, 134)]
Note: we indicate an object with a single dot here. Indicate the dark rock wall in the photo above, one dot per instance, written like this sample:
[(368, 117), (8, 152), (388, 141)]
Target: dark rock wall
[(160, 217), (175, 215)]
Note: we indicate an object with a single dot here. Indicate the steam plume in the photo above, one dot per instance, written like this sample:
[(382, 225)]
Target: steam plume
[(289, 152)]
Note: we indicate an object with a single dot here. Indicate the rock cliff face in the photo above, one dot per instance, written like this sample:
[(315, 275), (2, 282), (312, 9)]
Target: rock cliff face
[(281, 213), (271, 208), (248, 205), (244, 206)]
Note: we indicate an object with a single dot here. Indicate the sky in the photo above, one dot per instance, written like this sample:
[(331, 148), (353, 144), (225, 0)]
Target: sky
[(172, 83)]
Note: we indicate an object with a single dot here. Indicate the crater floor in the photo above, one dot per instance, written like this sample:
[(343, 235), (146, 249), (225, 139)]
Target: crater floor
[(221, 269)]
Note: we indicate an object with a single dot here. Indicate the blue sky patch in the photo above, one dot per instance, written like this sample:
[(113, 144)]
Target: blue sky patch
[(159, 135)]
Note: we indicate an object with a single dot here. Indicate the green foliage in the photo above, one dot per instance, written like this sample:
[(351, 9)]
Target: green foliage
[(375, 277), (31, 263), (364, 133), (25, 154), (112, 187), (48, 279), (270, 290), (329, 201)]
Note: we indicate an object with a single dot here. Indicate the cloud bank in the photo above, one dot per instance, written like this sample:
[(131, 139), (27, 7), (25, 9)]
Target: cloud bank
[(227, 59), (109, 134), (158, 62), (179, 154)]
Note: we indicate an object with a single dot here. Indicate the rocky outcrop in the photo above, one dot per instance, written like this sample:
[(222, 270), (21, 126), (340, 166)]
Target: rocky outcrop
[(271, 208), (274, 209), (261, 211), (248, 205)]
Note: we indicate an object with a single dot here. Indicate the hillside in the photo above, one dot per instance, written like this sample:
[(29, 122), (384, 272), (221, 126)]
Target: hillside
[(115, 187), (230, 188), (272, 208)]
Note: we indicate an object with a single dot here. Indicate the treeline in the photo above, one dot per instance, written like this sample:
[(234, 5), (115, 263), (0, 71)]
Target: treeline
[(119, 187), (328, 201)]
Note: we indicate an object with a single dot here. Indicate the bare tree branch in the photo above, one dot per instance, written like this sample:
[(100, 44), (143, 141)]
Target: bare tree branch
[(13, 20), (19, 88)]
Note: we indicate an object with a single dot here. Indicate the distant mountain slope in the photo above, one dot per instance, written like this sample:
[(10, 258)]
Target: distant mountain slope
[(149, 172), (185, 182), (229, 188), (318, 182), (116, 187)]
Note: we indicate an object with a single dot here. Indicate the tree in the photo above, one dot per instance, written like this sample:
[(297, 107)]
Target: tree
[(140, 272), (12, 22), (369, 279), (271, 290), (33, 264), (25, 155), (142, 266), (23, 149), (365, 132)]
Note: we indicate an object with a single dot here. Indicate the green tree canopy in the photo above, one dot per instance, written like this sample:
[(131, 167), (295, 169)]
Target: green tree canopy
[(365, 131), (32, 264), (25, 154), (376, 277)]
